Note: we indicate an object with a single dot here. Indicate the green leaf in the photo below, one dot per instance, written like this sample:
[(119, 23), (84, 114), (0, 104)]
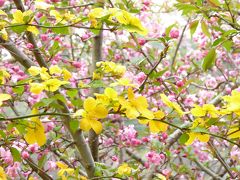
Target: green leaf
[(16, 154), (2, 134), (212, 121), (217, 41), (59, 97), (19, 90), (72, 93), (61, 30), (168, 29), (19, 28), (199, 130), (42, 161), (232, 31), (205, 29), (74, 125), (183, 138), (214, 2), (209, 60), (96, 84), (227, 45), (186, 8), (193, 27)]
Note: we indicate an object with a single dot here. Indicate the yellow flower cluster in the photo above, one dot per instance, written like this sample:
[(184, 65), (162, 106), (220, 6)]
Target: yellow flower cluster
[(25, 17), (132, 107), (3, 76), (3, 23), (50, 78), (124, 169), (115, 15), (109, 68), (35, 131)]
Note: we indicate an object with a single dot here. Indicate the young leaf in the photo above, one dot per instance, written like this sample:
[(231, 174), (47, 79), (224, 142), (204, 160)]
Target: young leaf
[(193, 27), (183, 138), (209, 60), (205, 29), (16, 154)]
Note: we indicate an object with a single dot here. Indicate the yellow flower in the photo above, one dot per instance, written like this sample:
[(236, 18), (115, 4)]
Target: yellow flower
[(234, 133), (62, 18), (34, 71), (135, 106), (25, 17), (53, 84), (64, 169), (156, 126), (233, 102), (194, 135), (95, 14), (4, 34), (3, 76), (124, 169), (93, 110), (4, 97), (171, 104), (131, 23), (35, 131), (199, 122), (122, 82), (66, 75), (36, 88), (110, 97), (206, 109), (55, 70), (3, 176)]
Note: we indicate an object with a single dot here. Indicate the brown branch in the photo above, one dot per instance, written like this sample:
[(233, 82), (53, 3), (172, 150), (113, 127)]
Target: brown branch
[(16, 53), (38, 170)]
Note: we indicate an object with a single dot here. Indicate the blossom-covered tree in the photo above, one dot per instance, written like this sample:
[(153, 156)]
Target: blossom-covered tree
[(110, 89)]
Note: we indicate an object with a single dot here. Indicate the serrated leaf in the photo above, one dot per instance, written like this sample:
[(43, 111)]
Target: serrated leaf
[(15, 154), (209, 60), (205, 29), (193, 27)]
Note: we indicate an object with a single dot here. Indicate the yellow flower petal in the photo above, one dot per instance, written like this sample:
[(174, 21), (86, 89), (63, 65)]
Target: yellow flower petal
[(96, 126), (89, 104), (36, 88), (85, 124), (234, 133)]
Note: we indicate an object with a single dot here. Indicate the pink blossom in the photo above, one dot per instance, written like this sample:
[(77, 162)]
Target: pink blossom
[(25, 155), (33, 148), (114, 158), (30, 46), (235, 153), (44, 37), (174, 33), (51, 165), (2, 2)]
